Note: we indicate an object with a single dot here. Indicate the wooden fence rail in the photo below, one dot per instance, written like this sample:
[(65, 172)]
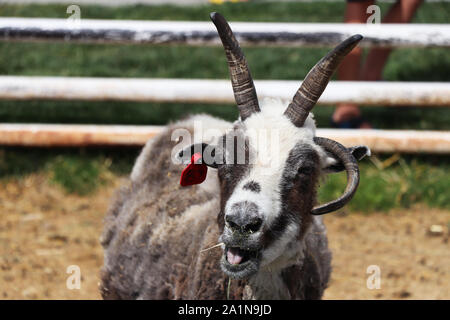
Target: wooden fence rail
[(56, 135), (203, 33), (217, 91)]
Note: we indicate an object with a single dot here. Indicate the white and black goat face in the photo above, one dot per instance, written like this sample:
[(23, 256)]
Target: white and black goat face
[(265, 205), (268, 188)]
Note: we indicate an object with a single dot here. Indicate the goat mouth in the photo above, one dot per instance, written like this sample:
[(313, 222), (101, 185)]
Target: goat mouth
[(239, 263)]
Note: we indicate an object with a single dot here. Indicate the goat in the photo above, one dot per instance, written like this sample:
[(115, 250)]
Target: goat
[(266, 239)]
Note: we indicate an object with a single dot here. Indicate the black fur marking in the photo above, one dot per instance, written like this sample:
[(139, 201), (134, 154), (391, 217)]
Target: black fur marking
[(297, 192), (252, 186), (302, 280), (276, 229), (233, 147), (208, 154)]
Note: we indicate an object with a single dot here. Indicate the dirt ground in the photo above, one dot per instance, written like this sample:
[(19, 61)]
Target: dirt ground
[(43, 231)]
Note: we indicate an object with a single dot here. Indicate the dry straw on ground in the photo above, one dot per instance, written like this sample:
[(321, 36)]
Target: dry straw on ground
[(43, 231)]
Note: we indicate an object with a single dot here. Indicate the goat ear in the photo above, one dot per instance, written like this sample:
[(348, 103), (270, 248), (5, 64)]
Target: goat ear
[(359, 152), (207, 151), (335, 165)]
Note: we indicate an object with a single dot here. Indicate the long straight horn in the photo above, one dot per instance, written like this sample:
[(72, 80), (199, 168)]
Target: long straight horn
[(316, 81), (241, 79)]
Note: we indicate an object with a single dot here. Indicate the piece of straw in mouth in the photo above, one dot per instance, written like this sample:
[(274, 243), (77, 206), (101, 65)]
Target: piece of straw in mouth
[(215, 246)]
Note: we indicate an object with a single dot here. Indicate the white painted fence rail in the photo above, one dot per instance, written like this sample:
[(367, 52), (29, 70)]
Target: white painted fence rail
[(203, 33), (52, 135), (217, 91)]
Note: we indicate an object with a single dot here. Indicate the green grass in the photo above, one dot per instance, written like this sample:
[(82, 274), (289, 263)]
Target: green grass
[(383, 186), (409, 180), (386, 181), (21, 161), (77, 170), (78, 174), (251, 11)]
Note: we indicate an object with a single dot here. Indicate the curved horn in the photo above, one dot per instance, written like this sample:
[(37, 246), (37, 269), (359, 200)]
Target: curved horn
[(351, 168), (316, 81), (241, 79)]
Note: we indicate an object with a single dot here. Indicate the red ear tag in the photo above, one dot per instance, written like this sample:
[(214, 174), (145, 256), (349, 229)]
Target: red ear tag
[(195, 172)]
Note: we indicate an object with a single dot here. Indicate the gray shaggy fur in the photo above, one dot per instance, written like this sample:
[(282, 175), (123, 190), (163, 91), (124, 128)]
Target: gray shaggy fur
[(155, 230)]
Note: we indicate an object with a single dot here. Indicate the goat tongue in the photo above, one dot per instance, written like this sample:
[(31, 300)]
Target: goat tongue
[(234, 256)]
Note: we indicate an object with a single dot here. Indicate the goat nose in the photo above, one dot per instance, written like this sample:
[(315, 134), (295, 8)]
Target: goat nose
[(243, 216), (244, 223)]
